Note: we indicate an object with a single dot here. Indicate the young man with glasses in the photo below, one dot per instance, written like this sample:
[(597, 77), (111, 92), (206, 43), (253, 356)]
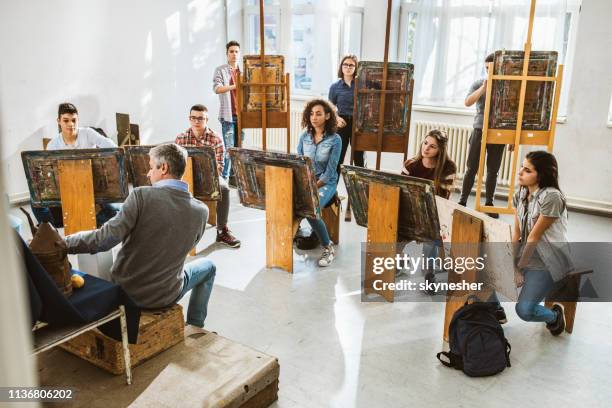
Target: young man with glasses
[(199, 134), (224, 85)]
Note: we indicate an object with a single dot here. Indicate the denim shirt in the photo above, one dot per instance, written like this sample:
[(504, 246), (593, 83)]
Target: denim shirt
[(324, 155)]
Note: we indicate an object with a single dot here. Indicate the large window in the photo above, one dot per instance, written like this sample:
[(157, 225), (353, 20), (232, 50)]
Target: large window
[(318, 33), (447, 40)]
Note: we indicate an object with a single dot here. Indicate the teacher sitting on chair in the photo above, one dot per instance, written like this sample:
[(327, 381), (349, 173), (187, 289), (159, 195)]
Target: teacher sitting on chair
[(322, 144)]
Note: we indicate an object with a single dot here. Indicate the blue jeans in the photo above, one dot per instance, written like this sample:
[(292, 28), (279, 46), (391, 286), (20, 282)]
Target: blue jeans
[(537, 284), (106, 212), (431, 250), (326, 193), (198, 277), (229, 130)]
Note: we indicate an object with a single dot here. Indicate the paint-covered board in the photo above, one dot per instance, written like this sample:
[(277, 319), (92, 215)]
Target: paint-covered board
[(108, 168), (418, 217), (538, 95), (496, 244), (274, 73), (249, 167), (370, 77), (205, 173)]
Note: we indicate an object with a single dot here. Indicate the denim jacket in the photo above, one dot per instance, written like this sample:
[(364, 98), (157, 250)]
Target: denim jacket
[(324, 156)]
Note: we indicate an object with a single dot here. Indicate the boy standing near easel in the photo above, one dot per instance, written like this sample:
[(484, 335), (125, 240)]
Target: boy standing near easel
[(477, 95), (224, 85)]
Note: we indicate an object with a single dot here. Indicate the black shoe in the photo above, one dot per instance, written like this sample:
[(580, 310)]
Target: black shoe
[(500, 315), (558, 326), (462, 203), (492, 215), (430, 278)]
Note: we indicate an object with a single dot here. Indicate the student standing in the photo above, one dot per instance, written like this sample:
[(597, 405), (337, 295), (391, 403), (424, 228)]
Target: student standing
[(341, 94), (477, 95), (322, 145), (540, 230), (199, 134), (224, 85)]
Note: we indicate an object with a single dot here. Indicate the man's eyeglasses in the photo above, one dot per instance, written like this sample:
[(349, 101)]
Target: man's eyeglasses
[(348, 65), (198, 118)]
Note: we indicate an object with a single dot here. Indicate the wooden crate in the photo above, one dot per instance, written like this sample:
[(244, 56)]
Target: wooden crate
[(158, 331)]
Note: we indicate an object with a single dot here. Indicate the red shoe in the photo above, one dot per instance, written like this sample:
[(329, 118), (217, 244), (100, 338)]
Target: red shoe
[(224, 236)]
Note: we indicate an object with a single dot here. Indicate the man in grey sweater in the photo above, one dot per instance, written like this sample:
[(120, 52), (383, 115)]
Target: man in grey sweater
[(158, 226)]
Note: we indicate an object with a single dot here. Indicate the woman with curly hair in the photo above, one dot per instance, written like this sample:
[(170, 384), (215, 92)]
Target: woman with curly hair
[(322, 145)]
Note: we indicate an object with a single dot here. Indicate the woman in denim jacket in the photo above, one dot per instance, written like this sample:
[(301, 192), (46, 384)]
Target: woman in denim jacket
[(322, 145), (540, 237)]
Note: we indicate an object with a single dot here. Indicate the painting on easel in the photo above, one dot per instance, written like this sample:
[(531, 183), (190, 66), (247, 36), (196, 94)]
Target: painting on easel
[(418, 216), (538, 95), (205, 174), (249, 167), (274, 73), (370, 78), (108, 169)]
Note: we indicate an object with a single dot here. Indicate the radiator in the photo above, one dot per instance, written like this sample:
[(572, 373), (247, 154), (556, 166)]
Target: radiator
[(276, 139), (458, 140)]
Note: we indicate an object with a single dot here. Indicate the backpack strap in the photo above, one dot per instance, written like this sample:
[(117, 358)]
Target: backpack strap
[(454, 361)]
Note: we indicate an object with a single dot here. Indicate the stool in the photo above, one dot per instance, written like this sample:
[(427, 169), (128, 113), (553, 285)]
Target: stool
[(331, 217), (567, 293)]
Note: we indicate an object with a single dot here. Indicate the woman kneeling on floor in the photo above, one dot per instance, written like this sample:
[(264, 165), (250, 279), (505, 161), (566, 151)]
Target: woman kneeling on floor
[(322, 144), (540, 227)]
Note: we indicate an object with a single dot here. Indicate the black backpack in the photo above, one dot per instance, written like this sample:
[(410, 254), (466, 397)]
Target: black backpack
[(477, 342)]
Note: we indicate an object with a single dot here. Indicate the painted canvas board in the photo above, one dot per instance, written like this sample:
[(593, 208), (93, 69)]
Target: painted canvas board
[(496, 243), (370, 78), (108, 168), (249, 167), (418, 218), (538, 95), (274, 72), (205, 173)]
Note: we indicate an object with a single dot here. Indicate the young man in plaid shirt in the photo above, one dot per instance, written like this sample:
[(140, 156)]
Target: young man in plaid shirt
[(201, 135)]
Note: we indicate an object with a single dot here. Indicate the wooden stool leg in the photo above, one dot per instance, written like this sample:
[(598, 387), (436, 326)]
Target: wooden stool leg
[(331, 218), (279, 218), (212, 212), (124, 343), (571, 289), (383, 215), (188, 178)]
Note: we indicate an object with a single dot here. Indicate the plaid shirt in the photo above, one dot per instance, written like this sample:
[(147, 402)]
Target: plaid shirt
[(210, 138)]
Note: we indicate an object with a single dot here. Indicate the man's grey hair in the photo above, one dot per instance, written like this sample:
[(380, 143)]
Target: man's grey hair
[(173, 155)]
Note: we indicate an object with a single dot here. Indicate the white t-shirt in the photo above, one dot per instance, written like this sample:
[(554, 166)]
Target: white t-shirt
[(87, 138)]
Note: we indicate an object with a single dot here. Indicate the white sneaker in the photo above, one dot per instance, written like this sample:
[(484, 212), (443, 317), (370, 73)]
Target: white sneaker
[(328, 255)]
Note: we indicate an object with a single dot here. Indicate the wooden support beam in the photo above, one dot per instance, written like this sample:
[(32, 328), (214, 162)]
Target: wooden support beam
[(188, 178), (279, 218), (383, 218), (77, 195)]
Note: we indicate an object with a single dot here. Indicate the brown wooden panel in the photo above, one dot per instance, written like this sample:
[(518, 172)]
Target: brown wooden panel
[(466, 235), (331, 218), (368, 142), (77, 195), (274, 120), (279, 218), (383, 216), (528, 137), (188, 178)]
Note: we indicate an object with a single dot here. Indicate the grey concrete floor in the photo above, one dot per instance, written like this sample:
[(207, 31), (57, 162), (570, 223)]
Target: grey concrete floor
[(336, 351)]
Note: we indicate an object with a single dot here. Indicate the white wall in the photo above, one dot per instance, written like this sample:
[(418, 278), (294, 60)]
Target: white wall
[(152, 59)]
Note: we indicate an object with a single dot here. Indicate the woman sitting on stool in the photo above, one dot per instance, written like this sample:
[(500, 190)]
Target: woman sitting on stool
[(322, 145)]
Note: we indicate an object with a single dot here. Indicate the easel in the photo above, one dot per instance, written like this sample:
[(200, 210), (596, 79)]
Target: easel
[(397, 143), (383, 218), (265, 119), (212, 205), (518, 136), (281, 225)]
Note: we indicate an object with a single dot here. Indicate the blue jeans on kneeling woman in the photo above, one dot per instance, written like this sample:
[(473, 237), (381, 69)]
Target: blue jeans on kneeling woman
[(326, 193), (536, 285)]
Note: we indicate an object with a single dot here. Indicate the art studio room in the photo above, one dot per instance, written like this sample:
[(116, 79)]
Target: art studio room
[(306, 203)]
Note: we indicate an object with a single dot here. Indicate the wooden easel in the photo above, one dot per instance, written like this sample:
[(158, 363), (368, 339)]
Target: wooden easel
[(263, 119), (212, 205), (518, 136), (281, 225), (362, 141), (383, 217)]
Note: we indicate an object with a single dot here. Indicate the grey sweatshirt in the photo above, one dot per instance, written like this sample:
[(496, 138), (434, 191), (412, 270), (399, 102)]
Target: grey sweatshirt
[(158, 226)]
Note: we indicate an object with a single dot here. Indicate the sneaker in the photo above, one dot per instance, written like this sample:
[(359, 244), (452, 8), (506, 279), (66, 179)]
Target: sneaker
[(500, 315), (558, 326), (224, 236), (328, 255)]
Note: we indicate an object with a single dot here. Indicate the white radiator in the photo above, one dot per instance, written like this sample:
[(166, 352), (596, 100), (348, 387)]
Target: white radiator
[(458, 141), (276, 139)]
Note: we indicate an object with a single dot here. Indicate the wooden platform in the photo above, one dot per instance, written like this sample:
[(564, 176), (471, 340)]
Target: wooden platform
[(205, 370)]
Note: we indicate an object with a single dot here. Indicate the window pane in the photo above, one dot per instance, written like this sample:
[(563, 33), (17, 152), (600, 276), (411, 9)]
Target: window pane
[(302, 47), (266, 2), (271, 31), (351, 36)]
